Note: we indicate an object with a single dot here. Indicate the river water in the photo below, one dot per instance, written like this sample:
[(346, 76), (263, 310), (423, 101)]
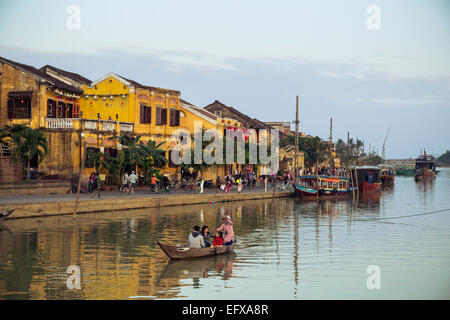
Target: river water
[(287, 249)]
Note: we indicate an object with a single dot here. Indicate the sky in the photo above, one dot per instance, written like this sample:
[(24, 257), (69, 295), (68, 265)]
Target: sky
[(368, 70)]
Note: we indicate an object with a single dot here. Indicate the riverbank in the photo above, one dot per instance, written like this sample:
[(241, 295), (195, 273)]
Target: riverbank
[(35, 206)]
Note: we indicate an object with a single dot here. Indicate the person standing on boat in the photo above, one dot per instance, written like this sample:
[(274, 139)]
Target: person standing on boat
[(195, 239), (227, 227)]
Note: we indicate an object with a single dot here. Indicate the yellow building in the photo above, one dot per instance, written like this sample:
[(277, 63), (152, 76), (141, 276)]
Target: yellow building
[(31, 96)]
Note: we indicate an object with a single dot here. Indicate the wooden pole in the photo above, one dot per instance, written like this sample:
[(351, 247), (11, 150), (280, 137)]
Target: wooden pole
[(296, 143), (79, 180)]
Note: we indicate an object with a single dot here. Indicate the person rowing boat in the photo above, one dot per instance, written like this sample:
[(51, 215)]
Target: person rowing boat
[(227, 227)]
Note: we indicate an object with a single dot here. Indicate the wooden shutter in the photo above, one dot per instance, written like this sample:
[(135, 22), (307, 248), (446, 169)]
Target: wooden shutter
[(149, 114), (163, 116), (51, 108), (172, 117), (177, 118), (11, 109), (142, 114), (69, 110), (158, 116)]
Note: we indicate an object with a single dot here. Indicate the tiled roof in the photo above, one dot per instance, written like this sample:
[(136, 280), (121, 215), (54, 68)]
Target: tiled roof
[(41, 75), (74, 76)]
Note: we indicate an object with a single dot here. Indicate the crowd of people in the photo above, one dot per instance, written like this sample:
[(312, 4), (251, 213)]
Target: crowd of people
[(222, 236)]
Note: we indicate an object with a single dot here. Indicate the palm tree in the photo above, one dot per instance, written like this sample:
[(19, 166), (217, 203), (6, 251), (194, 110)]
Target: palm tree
[(28, 143)]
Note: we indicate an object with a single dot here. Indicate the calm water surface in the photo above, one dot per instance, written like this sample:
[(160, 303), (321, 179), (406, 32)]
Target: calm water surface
[(287, 249)]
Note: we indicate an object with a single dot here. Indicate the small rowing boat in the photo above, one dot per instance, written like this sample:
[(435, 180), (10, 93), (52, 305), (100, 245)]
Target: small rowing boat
[(6, 214), (184, 252)]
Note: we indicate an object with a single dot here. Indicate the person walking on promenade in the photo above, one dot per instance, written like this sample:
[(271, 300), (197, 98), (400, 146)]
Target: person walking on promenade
[(125, 183), (133, 180), (228, 187), (91, 184), (239, 183)]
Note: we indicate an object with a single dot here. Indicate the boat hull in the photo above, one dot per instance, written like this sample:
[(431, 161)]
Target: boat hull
[(371, 187), (182, 252), (312, 194)]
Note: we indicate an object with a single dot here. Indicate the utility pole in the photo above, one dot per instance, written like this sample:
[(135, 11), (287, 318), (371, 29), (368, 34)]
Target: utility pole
[(331, 143), (296, 142)]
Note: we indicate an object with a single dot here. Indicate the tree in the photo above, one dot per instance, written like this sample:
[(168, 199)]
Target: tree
[(27, 143), (444, 158)]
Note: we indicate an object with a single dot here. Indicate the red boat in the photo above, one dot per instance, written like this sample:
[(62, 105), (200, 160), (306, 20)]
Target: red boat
[(368, 178)]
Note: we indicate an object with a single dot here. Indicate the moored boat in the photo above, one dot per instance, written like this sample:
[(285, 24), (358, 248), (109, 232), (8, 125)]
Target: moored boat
[(322, 187), (386, 175), (184, 252), (425, 166), (368, 178)]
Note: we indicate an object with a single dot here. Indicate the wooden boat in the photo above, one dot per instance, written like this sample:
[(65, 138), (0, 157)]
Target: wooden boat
[(387, 177), (405, 171), (425, 166), (184, 252), (322, 187), (369, 178), (6, 214)]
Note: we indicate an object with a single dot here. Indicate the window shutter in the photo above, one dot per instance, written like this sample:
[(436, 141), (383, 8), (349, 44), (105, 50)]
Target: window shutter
[(142, 115), (177, 118), (164, 117), (11, 109), (158, 116), (172, 117), (149, 114)]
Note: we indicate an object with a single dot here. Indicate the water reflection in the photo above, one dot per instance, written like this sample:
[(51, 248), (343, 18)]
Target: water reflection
[(287, 249)]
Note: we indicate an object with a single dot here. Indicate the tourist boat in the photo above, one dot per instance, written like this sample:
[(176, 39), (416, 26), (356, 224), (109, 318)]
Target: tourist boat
[(323, 187), (6, 214), (386, 175), (405, 171), (368, 178), (425, 166), (184, 252)]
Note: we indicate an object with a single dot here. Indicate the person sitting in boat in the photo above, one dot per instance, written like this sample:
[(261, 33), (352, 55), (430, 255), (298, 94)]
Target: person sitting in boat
[(195, 239), (227, 226), (218, 239), (206, 236)]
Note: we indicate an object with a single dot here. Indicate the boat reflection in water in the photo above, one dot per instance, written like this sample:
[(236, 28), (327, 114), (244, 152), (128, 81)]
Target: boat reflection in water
[(216, 266)]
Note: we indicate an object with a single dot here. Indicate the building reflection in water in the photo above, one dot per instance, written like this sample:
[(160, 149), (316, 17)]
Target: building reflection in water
[(119, 258)]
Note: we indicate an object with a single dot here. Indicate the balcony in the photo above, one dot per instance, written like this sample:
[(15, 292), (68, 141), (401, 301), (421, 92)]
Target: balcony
[(54, 123), (86, 124)]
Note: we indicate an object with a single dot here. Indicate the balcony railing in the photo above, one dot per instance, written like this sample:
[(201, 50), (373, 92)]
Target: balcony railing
[(53, 123), (95, 125)]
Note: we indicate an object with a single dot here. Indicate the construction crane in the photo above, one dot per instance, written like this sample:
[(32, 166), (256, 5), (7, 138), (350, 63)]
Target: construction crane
[(387, 135)]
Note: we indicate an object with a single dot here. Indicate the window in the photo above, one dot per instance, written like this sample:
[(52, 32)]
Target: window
[(174, 117), (76, 111), (161, 116), (51, 108), (19, 108), (61, 109), (69, 109), (218, 113), (146, 114)]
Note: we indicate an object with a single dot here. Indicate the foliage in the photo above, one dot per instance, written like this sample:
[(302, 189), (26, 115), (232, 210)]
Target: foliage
[(444, 158), (26, 143)]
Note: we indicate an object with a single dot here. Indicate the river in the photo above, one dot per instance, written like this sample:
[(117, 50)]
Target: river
[(392, 246)]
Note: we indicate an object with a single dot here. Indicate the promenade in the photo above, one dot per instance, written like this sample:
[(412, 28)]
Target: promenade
[(27, 206)]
